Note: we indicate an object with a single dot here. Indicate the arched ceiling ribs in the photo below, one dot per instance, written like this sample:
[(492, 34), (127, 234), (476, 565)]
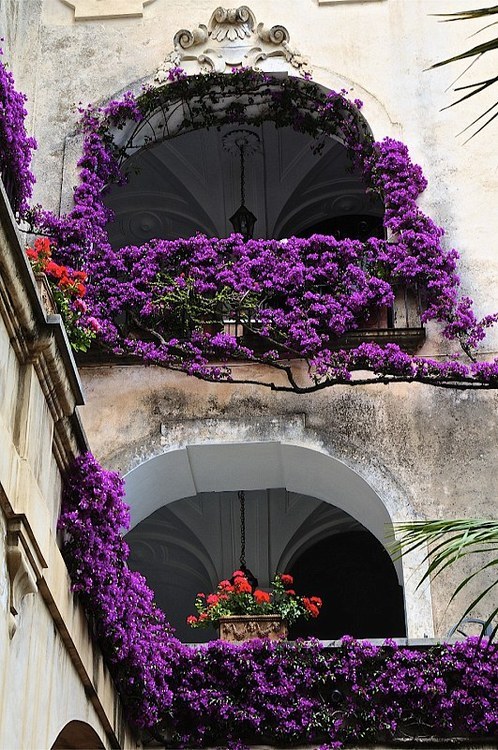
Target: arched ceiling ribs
[(193, 185), (165, 531), (325, 521)]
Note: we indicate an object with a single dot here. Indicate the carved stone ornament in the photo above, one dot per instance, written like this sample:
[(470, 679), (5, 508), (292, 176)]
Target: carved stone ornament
[(22, 573), (241, 628), (90, 10), (45, 292), (233, 39)]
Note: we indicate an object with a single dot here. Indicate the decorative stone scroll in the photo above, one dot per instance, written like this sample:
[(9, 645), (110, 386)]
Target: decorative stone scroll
[(91, 10), (22, 569), (233, 39)]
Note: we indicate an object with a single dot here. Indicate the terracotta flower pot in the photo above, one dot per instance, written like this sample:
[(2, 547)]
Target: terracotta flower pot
[(241, 628)]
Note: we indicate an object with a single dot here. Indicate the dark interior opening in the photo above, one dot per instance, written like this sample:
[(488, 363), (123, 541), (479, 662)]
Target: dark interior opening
[(355, 577)]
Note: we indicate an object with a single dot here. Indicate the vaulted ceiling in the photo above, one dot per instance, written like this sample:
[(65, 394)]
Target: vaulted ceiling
[(191, 183), (189, 545)]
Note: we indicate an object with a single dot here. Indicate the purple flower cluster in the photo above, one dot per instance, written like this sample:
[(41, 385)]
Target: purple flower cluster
[(294, 298), (414, 253), (132, 632), (286, 693), (261, 692), (15, 145)]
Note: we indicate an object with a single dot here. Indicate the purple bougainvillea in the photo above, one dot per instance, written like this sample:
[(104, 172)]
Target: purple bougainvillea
[(165, 302), (15, 146), (133, 633), (261, 692)]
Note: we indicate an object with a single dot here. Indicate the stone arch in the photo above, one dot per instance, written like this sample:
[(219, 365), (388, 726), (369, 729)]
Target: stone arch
[(374, 117), (182, 178), (77, 735), (187, 471)]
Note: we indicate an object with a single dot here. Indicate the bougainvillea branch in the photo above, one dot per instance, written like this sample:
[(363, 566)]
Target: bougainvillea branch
[(15, 145), (262, 692), (196, 305)]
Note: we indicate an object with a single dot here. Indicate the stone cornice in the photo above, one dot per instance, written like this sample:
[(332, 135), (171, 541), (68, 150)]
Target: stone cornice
[(91, 10), (39, 338)]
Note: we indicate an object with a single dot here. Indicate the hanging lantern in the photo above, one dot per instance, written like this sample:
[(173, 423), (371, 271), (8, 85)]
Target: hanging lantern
[(243, 141), (243, 222)]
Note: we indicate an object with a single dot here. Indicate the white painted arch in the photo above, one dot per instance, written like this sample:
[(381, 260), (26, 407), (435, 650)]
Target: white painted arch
[(219, 467)]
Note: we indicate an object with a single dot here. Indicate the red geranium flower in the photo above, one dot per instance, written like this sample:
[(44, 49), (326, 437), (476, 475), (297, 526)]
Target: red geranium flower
[(261, 597), (312, 608), (286, 579), (212, 599), (242, 586)]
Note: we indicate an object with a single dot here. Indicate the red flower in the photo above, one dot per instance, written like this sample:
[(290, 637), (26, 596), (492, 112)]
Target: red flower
[(201, 596), (191, 619), (242, 586), (287, 580), (212, 600), (42, 246), (316, 600), (65, 281), (225, 586), (262, 597), (312, 608), (238, 574), (291, 592), (53, 269)]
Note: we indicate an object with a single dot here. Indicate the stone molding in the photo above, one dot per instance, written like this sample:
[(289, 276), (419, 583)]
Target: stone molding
[(91, 10), (39, 338), (233, 39)]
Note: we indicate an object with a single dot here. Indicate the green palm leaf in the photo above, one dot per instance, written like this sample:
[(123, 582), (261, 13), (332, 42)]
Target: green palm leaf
[(474, 52), (449, 541)]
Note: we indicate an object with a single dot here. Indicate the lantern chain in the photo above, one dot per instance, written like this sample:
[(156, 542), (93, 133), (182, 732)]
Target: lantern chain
[(242, 176), (242, 500)]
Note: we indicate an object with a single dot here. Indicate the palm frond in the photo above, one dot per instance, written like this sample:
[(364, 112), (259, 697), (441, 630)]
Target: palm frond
[(472, 53), (479, 49), (463, 15), (447, 542)]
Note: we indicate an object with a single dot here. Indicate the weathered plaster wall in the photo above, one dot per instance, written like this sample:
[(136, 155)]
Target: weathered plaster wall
[(424, 451)]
